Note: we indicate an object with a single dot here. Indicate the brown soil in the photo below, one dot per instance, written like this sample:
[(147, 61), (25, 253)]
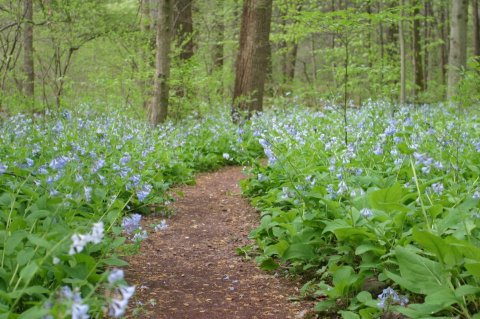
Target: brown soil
[(191, 270)]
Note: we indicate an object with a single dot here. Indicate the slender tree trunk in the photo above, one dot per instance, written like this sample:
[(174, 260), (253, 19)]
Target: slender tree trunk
[(476, 28), (417, 57), (184, 28), (457, 58), (252, 59), (401, 38), (218, 47), (445, 42), (29, 84), (145, 53), (159, 107)]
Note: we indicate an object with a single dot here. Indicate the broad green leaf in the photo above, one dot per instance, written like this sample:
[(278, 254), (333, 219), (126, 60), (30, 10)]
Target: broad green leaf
[(418, 274), (349, 315), (14, 240), (388, 199), (299, 251), (446, 253)]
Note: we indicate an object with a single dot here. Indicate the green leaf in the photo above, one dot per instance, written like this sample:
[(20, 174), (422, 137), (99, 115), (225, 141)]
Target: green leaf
[(388, 199), (466, 290), (25, 256), (266, 263), (14, 240), (446, 253), (276, 249), (112, 261), (29, 271), (39, 241), (349, 315), (418, 274), (36, 312), (303, 251), (473, 269), (324, 305)]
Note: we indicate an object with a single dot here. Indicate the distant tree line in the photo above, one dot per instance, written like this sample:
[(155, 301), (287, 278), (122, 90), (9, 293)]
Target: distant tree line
[(178, 56)]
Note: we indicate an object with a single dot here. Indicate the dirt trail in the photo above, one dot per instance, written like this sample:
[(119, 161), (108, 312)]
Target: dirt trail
[(191, 270)]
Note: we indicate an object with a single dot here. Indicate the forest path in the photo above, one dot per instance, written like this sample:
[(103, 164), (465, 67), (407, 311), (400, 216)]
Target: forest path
[(191, 270)]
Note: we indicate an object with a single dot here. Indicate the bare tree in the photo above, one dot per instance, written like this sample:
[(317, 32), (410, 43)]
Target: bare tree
[(159, 106), (252, 59), (457, 58), (29, 84)]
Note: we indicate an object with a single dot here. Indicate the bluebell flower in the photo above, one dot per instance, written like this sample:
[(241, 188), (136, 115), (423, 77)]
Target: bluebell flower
[(390, 297), (125, 159), (162, 226), (139, 236), (437, 188), (59, 162), (131, 223), (144, 192), (3, 168), (115, 275), (98, 165), (88, 193), (30, 162), (366, 212)]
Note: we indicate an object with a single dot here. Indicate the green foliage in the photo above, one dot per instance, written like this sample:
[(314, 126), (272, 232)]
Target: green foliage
[(398, 207), (64, 175)]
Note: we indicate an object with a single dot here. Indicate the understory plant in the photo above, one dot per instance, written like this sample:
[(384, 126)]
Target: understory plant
[(385, 225)]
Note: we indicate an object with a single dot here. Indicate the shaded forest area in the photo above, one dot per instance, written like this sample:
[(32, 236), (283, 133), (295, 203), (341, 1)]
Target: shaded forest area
[(182, 54)]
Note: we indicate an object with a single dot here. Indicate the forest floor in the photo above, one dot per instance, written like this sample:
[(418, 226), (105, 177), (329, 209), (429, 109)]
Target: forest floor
[(191, 269)]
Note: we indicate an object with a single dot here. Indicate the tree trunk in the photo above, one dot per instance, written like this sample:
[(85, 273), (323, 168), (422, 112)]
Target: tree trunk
[(219, 36), (476, 28), (159, 107), (401, 38), (457, 58), (184, 28), (252, 59), (417, 57), (29, 84)]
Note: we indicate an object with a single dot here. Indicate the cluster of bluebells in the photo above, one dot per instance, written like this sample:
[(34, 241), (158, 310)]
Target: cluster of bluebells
[(122, 294), (390, 297), (72, 299), (79, 241), (131, 226)]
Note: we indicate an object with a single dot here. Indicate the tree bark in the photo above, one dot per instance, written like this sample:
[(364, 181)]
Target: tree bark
[(184, 28), (159, 107), (417, 57), (218, 47), (476, 28), (252, 59), (29, 84), (401, 38), (457, 58)]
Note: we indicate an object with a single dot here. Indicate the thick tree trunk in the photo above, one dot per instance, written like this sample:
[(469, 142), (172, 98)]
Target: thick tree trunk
[(159, 107), (29, 84), (476, 28), (417, 57), (401, 38), (252, 59), (184, 27), (457, 58)]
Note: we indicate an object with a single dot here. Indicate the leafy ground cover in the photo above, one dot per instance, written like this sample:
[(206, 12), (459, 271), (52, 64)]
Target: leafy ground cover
[(386, 224), (71, 190)]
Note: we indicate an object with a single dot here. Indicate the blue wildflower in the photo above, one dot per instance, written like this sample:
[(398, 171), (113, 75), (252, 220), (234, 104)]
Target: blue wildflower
[(144, 192)]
